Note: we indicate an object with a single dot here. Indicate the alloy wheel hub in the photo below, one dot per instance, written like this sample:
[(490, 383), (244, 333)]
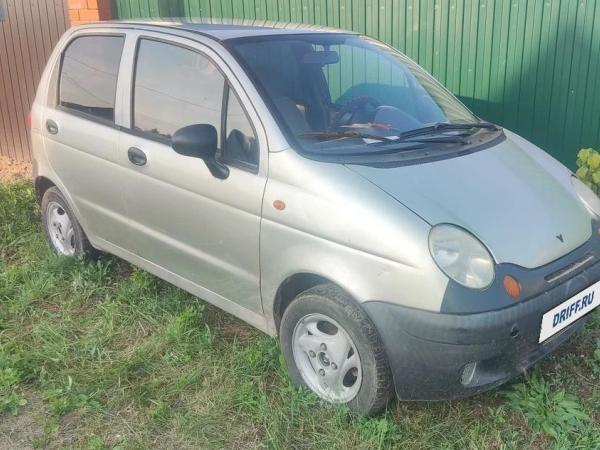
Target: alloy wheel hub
[(327, 358), (60, 229)]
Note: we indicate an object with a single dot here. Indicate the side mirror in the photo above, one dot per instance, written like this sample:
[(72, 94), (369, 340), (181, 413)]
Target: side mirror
[(200, 141)]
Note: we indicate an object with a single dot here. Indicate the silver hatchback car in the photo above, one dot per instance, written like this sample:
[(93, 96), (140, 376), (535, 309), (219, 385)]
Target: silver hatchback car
[(324, 188)]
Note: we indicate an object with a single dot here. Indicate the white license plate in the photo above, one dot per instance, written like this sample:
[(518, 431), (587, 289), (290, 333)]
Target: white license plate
[(569, 311)]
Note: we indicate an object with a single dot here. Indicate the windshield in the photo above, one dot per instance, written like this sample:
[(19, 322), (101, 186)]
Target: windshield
[(334, 91)]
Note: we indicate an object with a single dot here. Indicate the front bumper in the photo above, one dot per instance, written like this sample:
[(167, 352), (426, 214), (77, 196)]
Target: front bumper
[(437, 356)]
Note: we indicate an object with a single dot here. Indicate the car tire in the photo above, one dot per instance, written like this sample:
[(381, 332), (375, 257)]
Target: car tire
[(316, 329), (63, 232)]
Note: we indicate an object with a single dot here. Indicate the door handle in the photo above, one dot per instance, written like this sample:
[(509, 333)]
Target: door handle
[(136, 156), (51, 126)]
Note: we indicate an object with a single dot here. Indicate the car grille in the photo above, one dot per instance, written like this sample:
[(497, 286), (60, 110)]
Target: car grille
[(570, 268)]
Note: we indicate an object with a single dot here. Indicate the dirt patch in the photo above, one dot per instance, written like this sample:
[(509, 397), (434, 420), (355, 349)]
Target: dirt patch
[(11, 169), (20, 432)]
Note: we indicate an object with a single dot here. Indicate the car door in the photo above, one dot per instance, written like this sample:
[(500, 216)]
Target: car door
[(80, 134), (184, 221)]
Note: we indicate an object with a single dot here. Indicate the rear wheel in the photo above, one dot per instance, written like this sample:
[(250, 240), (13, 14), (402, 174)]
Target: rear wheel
[(332, 347), (63, 232)]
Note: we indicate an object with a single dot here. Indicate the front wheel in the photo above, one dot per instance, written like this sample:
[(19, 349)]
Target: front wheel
[(332, 347)]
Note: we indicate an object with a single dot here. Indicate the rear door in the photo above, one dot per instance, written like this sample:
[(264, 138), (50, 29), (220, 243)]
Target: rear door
[(81, 136), (184, 221)]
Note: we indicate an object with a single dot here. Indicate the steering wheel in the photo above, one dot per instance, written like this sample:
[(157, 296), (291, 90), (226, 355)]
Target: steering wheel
[(365, 105)]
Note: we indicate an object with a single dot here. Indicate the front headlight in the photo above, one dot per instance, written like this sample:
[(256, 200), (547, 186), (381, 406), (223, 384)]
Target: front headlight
[(586, 195), (461, 256)]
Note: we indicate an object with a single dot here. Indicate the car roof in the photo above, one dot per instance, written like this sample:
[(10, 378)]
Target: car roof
[(223, 29)]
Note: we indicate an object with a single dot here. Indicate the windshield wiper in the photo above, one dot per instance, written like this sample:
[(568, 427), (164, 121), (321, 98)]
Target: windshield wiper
[(445, 126), (327, 135), (372, 150), (446, 139), (386, 141)]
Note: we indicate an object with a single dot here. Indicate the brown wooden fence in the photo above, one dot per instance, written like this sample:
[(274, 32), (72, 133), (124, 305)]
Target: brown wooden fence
[(29, 29)]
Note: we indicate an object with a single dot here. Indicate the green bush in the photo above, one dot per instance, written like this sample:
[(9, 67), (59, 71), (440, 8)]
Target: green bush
[(588, 168), (548, 409)]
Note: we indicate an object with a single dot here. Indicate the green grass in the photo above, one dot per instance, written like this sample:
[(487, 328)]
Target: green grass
[(103, 355)]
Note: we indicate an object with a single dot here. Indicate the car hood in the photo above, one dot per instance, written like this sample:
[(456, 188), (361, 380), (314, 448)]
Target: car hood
[(518, 201)]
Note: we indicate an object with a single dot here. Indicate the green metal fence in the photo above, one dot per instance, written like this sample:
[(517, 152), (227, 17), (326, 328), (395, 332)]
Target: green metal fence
[(530, 65)]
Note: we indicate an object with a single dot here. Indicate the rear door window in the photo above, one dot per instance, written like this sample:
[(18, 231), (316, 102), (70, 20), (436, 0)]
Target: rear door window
[(88, 76)]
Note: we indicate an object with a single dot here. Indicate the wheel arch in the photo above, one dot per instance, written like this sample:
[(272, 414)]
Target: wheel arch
[(291, 287), (42, 184)]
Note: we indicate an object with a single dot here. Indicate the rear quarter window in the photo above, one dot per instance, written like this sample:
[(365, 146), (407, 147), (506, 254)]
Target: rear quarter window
[(88, 76)]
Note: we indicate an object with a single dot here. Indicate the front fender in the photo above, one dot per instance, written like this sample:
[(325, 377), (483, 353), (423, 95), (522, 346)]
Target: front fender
[(341, 227)]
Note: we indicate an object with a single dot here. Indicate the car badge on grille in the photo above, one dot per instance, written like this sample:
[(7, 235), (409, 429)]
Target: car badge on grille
[(560, 238)]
